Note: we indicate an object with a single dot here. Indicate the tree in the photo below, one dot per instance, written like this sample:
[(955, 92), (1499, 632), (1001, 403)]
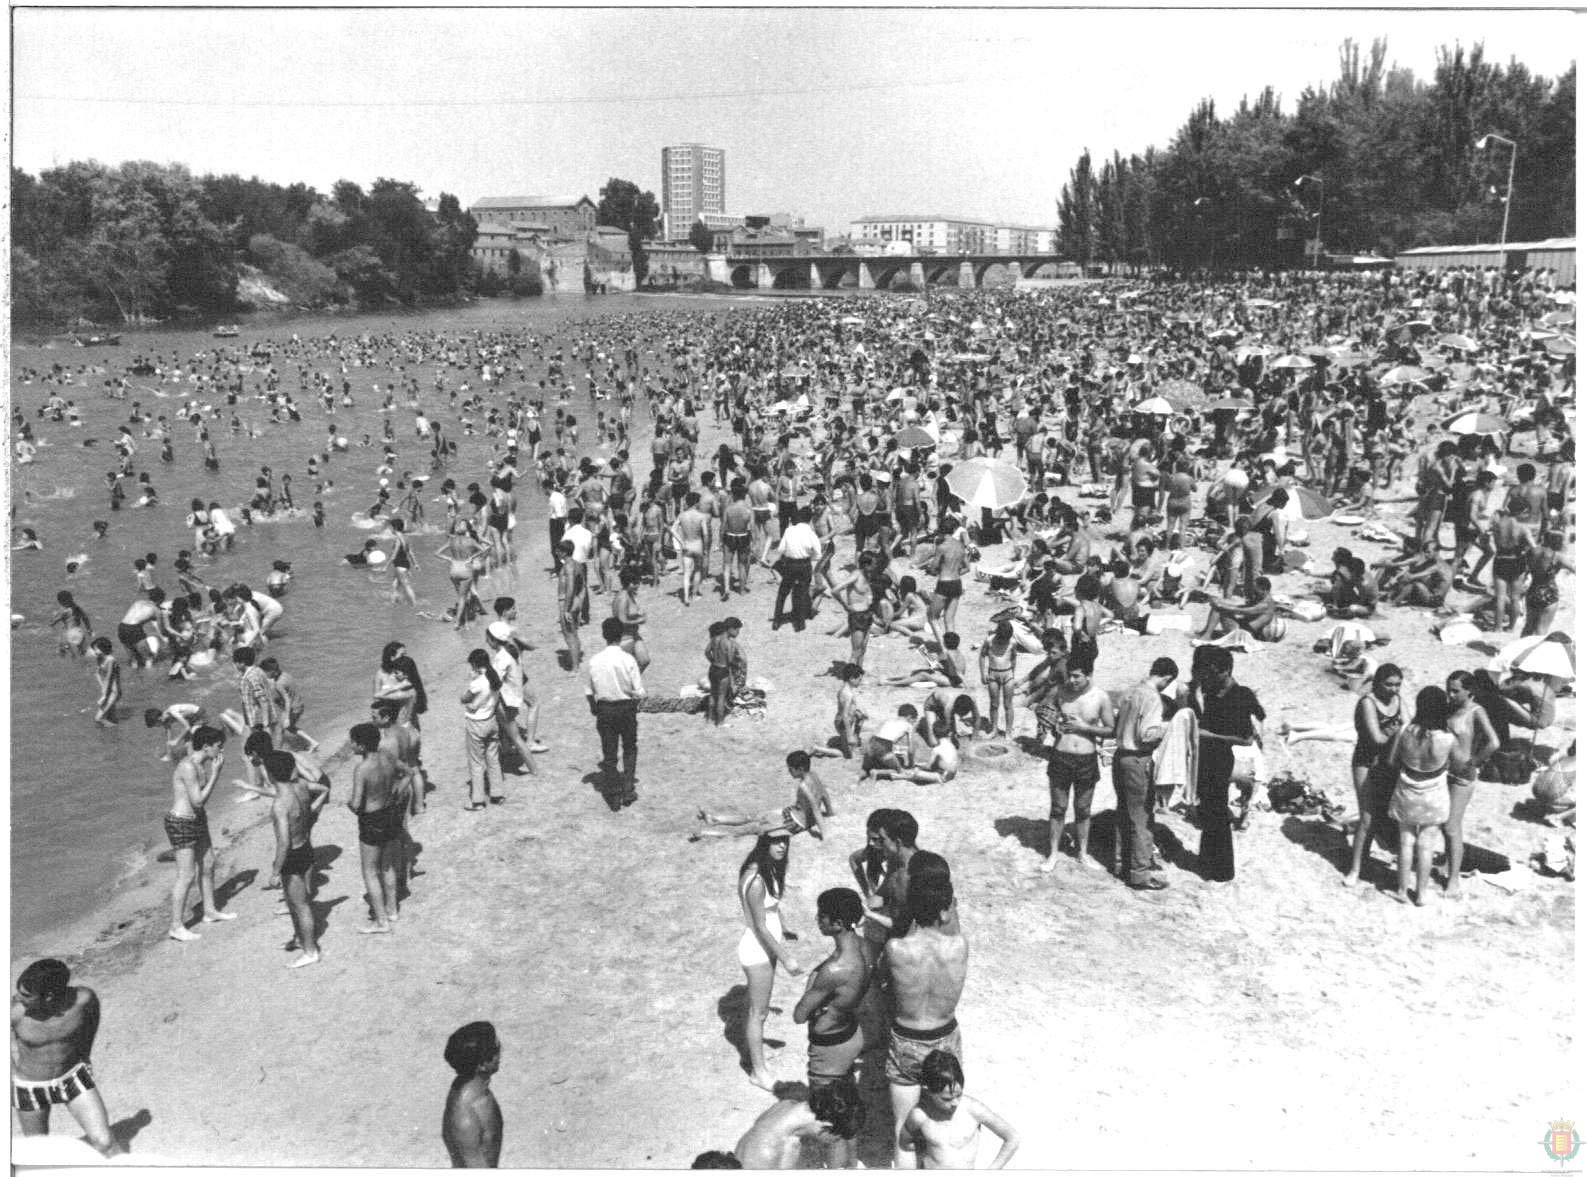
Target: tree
[(700, 237), (1077, 211), (624, 206)]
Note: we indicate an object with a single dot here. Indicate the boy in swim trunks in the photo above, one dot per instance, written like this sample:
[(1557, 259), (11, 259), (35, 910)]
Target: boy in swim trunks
[(380, 802), (292, 815), (945, 1130), (810, 805), (53, 1026), (187, 827), (832, 996)]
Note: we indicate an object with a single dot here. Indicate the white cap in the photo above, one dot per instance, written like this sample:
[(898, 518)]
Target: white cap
[(499, 630)]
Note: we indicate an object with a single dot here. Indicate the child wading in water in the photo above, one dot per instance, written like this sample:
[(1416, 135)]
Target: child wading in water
[(107, 671)]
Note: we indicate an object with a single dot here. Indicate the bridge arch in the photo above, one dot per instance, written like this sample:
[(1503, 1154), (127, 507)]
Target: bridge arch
[(789, 277), (996, 273), (1040, 268), (830, 277), (743, 277), (943, 274)]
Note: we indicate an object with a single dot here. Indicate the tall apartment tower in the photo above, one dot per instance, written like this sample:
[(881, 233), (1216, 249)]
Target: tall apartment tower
[(693, 181)]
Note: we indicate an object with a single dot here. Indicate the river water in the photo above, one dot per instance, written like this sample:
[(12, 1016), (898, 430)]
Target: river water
[(86, 802)]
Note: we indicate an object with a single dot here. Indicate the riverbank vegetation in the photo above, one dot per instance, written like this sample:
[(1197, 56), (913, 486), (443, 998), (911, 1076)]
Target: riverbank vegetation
[(1388, 162), (143, 241)]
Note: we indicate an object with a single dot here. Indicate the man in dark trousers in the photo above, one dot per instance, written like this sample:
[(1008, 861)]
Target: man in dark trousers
[(1229, 714)]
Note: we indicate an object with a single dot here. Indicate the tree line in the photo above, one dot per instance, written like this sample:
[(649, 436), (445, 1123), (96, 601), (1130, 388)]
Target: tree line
[(1377, 161), (143, 241)]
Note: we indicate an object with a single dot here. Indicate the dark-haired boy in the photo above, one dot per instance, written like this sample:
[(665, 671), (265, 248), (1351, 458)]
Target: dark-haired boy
[(380, 802), (471, 1125), (832, 996), (831, 1115), (53, 1026), (292, 814)]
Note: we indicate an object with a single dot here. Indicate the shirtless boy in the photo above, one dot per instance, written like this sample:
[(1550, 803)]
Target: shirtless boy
[(944, 1131), (187, 827), (832, 996), (927, 967), (832, 1115), (107, 673), (380, 801), (1475, 742), (293, 813), (471, 1125), (53, 1026), (1085, 715)]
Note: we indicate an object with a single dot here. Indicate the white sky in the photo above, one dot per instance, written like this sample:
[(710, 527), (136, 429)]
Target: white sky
[(824, 113)]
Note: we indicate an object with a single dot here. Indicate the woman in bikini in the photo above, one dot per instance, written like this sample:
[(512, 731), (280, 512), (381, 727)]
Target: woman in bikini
[(401, 564), (464, 555), (1542, 595), (625, 607), (1380, 713), (761, 947), (1420, 755), (998, 657)]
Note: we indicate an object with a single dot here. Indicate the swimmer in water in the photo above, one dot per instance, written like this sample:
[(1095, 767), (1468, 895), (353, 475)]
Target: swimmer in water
[(79, 630), (370, 557), (280, 578), (101, 529), (28, 542)]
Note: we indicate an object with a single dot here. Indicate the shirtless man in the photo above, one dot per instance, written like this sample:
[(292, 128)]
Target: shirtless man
[(944, 1131), (1475, 742), (689, 535), (380, 800), (53, 1026), (293, 813), (132, 630), (471, 1124), (832, 1116), (760, 496), (187, 827), (832, 996), (1085, 715), (927, 968), (737, 521), (948, 563)]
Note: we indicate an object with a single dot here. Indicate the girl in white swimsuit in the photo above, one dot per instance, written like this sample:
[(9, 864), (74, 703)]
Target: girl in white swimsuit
[(761, 947)]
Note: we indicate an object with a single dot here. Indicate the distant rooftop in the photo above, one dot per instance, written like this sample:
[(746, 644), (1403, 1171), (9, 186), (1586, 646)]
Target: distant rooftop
[(490, 202), (924, 217), (1494, 246)]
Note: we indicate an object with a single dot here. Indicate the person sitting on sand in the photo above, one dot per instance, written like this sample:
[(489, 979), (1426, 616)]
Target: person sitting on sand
[(1259, 618), (888, 746), (809, 806), (952, 706), (944, 1129), (942, 764), (830, 1117), (471, 1124), (946, 669)]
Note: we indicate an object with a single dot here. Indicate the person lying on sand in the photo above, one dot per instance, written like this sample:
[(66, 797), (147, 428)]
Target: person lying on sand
[(810, 805)]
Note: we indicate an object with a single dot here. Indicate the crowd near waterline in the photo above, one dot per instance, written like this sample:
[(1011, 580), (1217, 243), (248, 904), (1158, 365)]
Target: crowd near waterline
[(1131, 462)]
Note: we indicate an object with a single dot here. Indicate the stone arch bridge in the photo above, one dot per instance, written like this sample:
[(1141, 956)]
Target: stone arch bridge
[(827, 271)]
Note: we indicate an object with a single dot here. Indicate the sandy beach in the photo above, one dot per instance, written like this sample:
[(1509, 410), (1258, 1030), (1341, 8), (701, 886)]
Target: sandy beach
[(1280, 1021)]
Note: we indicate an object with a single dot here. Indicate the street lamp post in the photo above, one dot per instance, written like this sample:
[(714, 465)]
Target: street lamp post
[(1316, 248), (1509, 183), (1201, 204)]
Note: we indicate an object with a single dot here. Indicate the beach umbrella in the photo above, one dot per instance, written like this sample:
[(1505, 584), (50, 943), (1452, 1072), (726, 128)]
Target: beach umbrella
[(1458, 342), (1540, 336), (1294, 362), (1260, 303), (1560, 318), (1472, 422), (985, 482), (1154, 406), (1318, 353), (913, 437), (1304, 502), (1247, 351), (1563, 297), (852, 321), (1403, 374), (1230, 404), (1554, 655), (1560, 346), (1186, 392), (1227, 334), (1413, 326), (898, 394), (1349, 359), (969, 357)]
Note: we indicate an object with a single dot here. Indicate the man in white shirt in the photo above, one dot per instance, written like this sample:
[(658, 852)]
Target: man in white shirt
[(504, 661), (614, 690), (556, 519), (583, 541), (796, 555)]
